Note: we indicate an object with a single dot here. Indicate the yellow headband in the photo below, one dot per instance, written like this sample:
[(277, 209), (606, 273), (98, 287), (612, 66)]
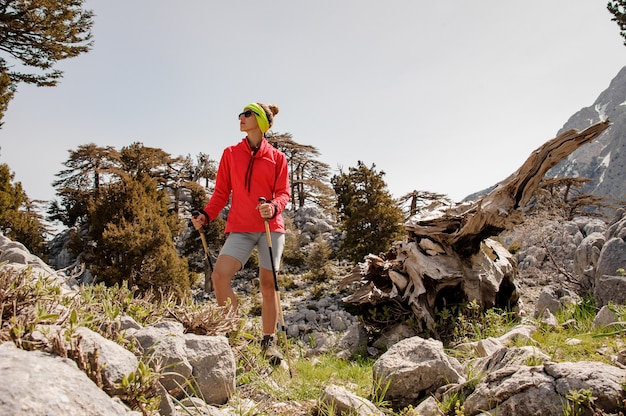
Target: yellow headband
[(261, 117)]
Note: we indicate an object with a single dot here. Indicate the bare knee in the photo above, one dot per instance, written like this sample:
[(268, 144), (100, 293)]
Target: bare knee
[(225, 270), (266, 283), (220, 278), (267, 291)]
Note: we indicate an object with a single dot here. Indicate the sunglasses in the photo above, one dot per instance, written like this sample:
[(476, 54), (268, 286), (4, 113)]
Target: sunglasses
[(246, 114)]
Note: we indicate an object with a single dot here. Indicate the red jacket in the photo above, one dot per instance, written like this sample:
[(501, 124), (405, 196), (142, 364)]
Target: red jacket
[(246, 176)]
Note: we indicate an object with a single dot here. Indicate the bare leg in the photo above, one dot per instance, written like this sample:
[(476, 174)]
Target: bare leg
[(269, 312), (223, 273)]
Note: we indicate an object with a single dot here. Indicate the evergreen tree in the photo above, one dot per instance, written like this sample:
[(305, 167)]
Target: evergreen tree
[(125, 199), (37, 34), (318, 260), (18, 220), (177, 174), (618, 10), (308, 177), (138, 160), (88, 168), (206, 168), (417, 200), (132, 231), (170, 173), (563, 197), (6, 94), (368, 214)]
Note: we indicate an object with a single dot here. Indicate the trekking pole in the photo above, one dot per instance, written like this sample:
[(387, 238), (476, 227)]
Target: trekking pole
[(208, 283), (268, 235)]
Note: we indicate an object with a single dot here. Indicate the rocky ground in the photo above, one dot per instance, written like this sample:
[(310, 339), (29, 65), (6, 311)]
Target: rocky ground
[(316, 318)]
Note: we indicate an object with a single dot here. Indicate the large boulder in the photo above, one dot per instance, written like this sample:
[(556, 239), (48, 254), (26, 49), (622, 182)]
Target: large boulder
[(610, 281), (612, 257), (114, 361), (164, 345), (15, 256), (34, 383), (207, 361), (586, 258), (214, 367), (414, 368), (543, 389), (517, 390)]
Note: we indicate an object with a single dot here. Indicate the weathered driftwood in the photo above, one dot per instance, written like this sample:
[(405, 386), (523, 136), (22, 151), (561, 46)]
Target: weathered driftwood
[(448, 257)]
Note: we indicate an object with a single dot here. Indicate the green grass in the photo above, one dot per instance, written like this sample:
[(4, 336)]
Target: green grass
[(25, 303), (309, 375), (595, 343)]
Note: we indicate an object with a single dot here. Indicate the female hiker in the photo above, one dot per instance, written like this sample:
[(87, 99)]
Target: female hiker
[(249, 170)]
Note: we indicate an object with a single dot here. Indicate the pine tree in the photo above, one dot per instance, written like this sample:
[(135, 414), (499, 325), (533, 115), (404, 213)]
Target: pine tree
[(417, 200), (318, 260), (6, 94), (368, 214), (563, 197), (308, 177), (126, 206), (88, 168), (18, 219), (206, 168), (618, 10), (131, 229), (36, 34)]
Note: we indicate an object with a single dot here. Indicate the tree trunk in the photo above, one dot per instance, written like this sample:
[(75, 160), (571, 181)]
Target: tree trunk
[(448, 257)]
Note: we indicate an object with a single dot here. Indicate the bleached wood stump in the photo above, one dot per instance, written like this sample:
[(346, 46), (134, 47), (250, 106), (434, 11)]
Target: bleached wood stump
[(449, 257)]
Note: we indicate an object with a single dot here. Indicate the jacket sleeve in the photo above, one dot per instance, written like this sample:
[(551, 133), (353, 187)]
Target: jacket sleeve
[(223, 187), (281, 190)]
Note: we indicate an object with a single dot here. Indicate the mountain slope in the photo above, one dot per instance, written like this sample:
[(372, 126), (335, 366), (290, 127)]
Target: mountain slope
[(604, 159)]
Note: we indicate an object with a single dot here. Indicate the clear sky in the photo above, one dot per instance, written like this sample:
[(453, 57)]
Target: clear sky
[(447, 97)]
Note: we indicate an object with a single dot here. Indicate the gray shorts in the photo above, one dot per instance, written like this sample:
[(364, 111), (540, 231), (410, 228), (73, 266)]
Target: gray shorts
[(241, 245)]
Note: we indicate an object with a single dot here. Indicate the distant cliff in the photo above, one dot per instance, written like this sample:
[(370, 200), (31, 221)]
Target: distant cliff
[(604, 159)]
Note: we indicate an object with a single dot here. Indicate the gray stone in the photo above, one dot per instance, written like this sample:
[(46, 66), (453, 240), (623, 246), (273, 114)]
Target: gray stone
[(164, 344), (604, 317), (612, 258), (610, 289), (414, 368), (39, 384), (115, 361), (345, 402), (213, 364)]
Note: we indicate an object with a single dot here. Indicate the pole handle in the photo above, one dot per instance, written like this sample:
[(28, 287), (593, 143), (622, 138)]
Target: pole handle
[(262, 200)]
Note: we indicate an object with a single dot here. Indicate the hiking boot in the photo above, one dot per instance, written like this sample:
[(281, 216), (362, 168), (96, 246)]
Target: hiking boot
[(270, 351)]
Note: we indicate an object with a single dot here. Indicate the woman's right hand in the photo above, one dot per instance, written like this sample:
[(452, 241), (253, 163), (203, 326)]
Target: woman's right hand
[(198, 219)]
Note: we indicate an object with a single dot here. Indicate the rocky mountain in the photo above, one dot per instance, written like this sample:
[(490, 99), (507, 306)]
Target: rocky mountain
[(603, 159)]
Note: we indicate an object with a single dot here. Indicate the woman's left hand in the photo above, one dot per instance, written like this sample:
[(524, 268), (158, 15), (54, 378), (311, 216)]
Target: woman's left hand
[(266, 210)]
